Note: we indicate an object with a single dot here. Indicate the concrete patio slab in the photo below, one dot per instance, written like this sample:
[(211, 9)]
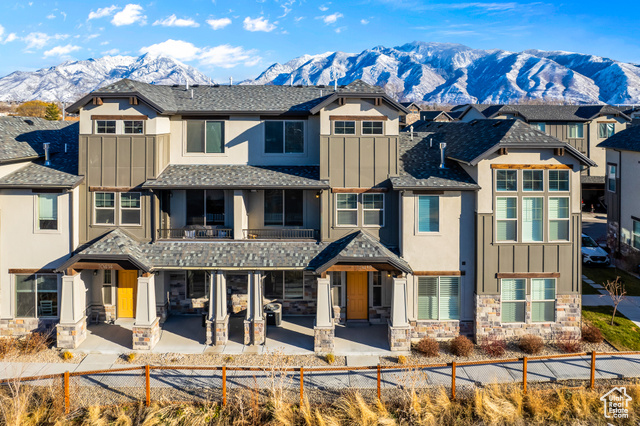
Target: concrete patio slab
[(359, 340), (182, 334)]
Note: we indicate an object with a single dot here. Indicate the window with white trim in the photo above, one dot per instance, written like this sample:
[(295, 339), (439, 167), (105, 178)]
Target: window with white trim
[(543, 299), (283, 137), (513, 300), (533, 180), (205, 137), (133, 127), (104, 208), (438, 298), (107, 281), (428, 216), (611, 177), (344, 127), (506, 218), (36, 296), (558, 180), (373, 209), (506, 180), (575, 131), (558, 218), (635, 234), (336, 287), (532, 219), (47, 216), (130, 208), (347, 209), (106, 126), (376, 288), (372, 127)]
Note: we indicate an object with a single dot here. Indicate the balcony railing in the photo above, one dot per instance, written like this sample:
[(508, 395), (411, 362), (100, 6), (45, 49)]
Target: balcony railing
[(279, 234), (195, 234)]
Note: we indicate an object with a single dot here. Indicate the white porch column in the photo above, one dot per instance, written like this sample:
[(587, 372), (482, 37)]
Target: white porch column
[(72, 329), (399, 328), (324, 327), (240, 221), (146, 329), (254, 324), (218, 321)]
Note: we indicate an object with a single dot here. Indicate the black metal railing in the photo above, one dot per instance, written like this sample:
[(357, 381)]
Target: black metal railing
[(195, 234), (279, 234)]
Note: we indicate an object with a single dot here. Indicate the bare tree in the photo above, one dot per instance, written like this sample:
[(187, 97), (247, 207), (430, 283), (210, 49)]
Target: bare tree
[(617, 292)]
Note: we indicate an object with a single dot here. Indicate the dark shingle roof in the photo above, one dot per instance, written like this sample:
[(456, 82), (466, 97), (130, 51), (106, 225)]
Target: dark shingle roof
[(420, 165), (431, 115), (237, 176), (549, 112), (626, 140)]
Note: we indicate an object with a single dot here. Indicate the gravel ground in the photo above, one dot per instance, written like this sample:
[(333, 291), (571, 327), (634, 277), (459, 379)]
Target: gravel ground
[(244, 360), (51, 355), (513, 351)]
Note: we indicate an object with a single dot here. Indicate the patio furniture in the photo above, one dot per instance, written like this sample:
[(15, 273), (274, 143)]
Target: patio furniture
[(46, 308)]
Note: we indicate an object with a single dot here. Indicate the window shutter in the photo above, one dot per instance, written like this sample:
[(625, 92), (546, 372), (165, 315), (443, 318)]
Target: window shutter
[(427, 298), (449, 298)]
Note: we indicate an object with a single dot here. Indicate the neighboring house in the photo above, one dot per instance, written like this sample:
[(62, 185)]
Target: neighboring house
[(412, 115), (433, 115), (38, 199), (582, 126), (622, 196), (219, 199)]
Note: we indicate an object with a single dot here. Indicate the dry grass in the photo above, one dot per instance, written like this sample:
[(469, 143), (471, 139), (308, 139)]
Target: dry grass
[(28, 344)]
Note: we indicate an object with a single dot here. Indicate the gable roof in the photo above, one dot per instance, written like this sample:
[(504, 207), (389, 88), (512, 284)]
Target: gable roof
[(626, 140), (578, 113), (471, 142), (237, 176), (431, 115), (359, 89)]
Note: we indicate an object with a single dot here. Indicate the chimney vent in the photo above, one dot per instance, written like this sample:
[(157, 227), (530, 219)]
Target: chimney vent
[(411, 131), (47, 162), (443, 146)]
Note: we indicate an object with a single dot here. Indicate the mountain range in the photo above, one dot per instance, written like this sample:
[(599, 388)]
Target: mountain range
[(421, 72)]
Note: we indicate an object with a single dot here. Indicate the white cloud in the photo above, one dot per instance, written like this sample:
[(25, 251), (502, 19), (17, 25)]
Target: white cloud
[(11, 37), (131, 14), (173, 21), (91, 37), (323, 8), (298, 19), (111, 52), (340, 29), (102, 12), (364, 21), (61, 50), (331, 19), (217, 24), (226, 56), (258, 24), (104, 43), (52, 16), (36, 40), (64, 16), (181, 50)]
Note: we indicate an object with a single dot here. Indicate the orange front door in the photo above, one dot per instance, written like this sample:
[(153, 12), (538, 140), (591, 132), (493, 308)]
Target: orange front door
[(357, 295), (127, 292)]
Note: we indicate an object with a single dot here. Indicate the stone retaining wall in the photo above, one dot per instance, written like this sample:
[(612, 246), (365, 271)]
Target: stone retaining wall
[(21, 326), (146, 337), (69, 336)]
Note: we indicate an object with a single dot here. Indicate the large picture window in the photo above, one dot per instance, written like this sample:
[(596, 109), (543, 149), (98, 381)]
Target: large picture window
[(543, 299), (506, 218), (284, 137), (532, 219), (438, 298), (47, 212), (105, 208), (205, 207), (347, 209), (288, 285), (283, 207), (36, 296), (373, 209), (428, 213), (205, 137), (130, 208), (513, 299), (558, 219)]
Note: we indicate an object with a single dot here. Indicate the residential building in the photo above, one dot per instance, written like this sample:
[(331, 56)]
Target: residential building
[(435, 115), (622, 196), (413, 113)]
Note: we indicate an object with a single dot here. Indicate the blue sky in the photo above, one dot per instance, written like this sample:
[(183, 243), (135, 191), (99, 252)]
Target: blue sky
[(241, 38)]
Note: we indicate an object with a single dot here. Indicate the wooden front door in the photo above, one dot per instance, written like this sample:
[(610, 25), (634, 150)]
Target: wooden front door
[(357, 295), (127, 292)]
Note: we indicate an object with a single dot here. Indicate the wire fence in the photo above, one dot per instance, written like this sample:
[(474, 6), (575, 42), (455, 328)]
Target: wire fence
[(321, 384)]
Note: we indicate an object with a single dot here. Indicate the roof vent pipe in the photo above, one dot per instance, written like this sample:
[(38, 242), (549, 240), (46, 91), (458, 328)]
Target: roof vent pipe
[(65, 147), (291, 83), (191, 93), (47, 162), (230, 81), (186, 82), (443, 146), (411, 131), (430, 142)]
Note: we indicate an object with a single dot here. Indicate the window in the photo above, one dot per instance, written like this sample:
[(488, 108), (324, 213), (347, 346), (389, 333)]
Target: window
[(539, 126), (47, 211), (206, 137), (197, 284), (106, 287), (558, 180), (532, 219), (205, 207), (105, 208), (105, 126), (506, 180), (575, 130), (558, 219), (287, 285), (513, 299), (611, 177), (606, 130), (273, 285), (344, 127), (36, 296), (438, 298), (130, 208), (372, 127), (373, 209), (133, 127), (336, 288), (428, 213), (376, 289), (543, 299), (506, 218), (347, 209), (636, 234), (284, 137), (532, 180), (283, 207)]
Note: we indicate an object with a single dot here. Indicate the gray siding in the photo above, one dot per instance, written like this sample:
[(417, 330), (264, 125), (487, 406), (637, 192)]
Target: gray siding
[(560, 131)]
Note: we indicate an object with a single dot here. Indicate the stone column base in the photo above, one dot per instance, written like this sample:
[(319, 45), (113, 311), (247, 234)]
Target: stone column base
[(399, 339), (218, 332), (145, 337), (324, 340), (255, 332), (69, 336)]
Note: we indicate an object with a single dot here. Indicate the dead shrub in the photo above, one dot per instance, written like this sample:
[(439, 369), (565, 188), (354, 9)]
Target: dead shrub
[(591, 334), (569, 345), (461, 346), (7, 346), (494, 347), (35, 342), (428, 347), (531, 344)]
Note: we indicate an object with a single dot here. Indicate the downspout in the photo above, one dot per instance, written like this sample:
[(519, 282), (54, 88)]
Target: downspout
[(618, 196)]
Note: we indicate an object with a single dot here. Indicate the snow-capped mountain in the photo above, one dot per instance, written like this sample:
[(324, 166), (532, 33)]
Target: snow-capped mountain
[(73, 79), (453, 73)]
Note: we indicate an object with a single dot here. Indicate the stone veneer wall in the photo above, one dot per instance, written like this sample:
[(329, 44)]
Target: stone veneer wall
[(146, 337), (217, 332), (69, 336), (105, 312), (178, 301), (21, 326), (488, 320), (254, 332), (400, 338), (439, 330), (323, 340)]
